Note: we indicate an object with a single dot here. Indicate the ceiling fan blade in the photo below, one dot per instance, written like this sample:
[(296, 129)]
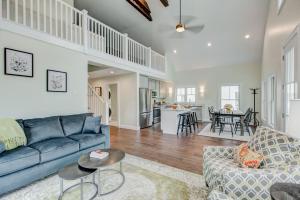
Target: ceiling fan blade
[(186, 19), (195, 29), (165, 28)]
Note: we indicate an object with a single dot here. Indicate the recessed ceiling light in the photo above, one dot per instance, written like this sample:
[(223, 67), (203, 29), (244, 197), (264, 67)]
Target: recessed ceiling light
[(174, 51), (111, 72), (209, 44), (247, 36)]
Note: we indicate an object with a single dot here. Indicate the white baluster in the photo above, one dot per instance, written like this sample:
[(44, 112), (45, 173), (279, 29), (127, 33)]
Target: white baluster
[(1, 9), (66, 23), (61, 20), (8, 9), (75, 27), (56, 18), (24, 12), (50, 16), (38, 14), (31, 13), (71, 23), (45, 17), (16, 11)]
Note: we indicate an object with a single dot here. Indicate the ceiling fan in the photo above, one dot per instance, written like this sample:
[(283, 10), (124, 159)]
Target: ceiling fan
[(186, 26)]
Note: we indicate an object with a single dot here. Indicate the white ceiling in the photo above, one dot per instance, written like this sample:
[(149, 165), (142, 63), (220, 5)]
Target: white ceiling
[(226, 23), (105, 71)]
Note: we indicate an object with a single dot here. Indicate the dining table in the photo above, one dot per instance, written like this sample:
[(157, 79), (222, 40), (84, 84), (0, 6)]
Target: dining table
[(224, 113)]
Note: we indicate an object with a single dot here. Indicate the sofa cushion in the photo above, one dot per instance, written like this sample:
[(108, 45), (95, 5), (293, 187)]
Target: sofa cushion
[(72, 124), (275, 147), (18, 159), (92, 125), (55, 148), (2, 147), (88, 140), (40, 129), (214, 168)]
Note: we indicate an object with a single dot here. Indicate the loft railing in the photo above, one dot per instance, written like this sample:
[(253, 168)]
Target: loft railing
[(63, 21)]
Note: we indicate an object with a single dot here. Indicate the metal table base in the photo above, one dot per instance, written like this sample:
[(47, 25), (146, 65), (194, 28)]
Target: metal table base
[(115, 189), (81, 184)]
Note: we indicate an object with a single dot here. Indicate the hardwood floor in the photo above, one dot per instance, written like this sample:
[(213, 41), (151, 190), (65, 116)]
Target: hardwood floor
[(180, 152)]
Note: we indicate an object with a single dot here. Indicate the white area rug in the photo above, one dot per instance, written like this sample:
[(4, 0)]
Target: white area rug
[(226, 134), (145, 180)]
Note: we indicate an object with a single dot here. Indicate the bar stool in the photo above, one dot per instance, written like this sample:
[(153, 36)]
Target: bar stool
[(195, 119), (185, 122)]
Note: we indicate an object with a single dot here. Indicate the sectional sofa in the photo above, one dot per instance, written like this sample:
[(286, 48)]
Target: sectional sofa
[(228, 181), (52, 143)]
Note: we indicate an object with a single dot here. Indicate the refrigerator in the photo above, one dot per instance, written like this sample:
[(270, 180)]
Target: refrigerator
[(145, 107)]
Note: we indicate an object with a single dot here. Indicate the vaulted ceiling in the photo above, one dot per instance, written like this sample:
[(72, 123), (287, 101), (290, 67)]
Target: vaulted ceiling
[(226, 24)]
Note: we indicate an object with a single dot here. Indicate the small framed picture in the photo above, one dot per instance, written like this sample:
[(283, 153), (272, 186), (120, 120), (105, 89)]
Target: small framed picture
[(18, 63), (99, 91), (56, 81)]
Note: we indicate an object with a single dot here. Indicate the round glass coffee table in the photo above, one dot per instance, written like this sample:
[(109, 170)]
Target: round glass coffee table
[(115, 156)]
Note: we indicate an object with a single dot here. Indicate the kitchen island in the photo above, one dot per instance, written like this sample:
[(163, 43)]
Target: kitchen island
[(170, 117)]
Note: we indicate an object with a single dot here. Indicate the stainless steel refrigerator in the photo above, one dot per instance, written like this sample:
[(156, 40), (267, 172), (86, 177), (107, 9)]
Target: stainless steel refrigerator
[(145, 108)]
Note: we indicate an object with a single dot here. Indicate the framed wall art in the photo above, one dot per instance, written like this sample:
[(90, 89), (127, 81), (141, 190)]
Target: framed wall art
[(56, 81), (18, 63)]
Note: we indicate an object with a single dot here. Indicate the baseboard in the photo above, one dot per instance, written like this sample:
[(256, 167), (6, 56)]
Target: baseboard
[(131, 127)]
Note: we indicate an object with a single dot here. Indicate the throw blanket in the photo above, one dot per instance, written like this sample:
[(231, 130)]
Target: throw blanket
[(11, 134)]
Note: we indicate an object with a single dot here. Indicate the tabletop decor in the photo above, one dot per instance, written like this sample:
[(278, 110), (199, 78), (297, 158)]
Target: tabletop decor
[(18, 63), (56, 81)]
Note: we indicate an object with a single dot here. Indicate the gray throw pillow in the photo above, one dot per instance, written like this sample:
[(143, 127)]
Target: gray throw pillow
[(2, 147), (92, 125), (40, 129)]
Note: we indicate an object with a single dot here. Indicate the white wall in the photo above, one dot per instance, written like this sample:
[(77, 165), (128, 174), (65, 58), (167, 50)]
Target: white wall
[(23, 97), (278, 29), (128, 97), (114, 101), (247, 76)]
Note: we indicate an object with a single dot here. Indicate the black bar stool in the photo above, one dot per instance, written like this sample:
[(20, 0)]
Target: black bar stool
[(185, 122), (195, 120)]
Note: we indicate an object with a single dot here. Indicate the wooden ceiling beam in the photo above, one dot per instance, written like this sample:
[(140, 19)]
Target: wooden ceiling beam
[(142, 7), (165, 2)]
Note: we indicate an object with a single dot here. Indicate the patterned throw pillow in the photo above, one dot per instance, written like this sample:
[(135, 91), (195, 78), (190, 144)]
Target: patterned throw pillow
[(276, 147), (247, 158)]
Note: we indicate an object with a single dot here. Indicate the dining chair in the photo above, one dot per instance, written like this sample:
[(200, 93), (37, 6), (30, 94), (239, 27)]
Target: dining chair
[(247, 120), (227, 120), (215, 123)]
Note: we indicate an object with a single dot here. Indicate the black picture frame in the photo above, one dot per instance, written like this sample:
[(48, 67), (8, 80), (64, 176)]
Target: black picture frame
[(50, 88), (99, 91), (6, 70)]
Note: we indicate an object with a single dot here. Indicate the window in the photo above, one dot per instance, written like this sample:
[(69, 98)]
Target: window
[(290, 84), (271, 101), (264, 100), (191, 95), (180, 95), (230, 95)]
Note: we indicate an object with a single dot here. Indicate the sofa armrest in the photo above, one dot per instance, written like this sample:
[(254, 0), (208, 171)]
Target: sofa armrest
[(245, 183), (105, 130), (218, 152), (217, 195)]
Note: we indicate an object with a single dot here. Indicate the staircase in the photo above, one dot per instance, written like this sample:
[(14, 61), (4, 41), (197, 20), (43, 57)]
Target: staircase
[(97, 105)]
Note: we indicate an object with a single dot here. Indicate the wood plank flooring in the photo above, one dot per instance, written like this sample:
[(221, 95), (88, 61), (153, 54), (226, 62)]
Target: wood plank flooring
[(180, 152)]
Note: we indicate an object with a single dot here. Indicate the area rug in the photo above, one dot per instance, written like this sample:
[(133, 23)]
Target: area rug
[(226, 134), (145, 180)]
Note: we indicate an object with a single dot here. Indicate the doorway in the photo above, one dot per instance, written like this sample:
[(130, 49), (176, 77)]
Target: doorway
[(113, 104)]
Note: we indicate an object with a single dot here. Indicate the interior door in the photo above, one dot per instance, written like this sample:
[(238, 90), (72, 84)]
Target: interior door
[(291, 72)]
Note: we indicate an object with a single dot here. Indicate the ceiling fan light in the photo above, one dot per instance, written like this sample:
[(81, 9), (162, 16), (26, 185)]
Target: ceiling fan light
[(180, 28)]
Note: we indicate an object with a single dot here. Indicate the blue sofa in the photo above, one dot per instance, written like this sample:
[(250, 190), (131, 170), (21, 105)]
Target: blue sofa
[(52, 143)]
